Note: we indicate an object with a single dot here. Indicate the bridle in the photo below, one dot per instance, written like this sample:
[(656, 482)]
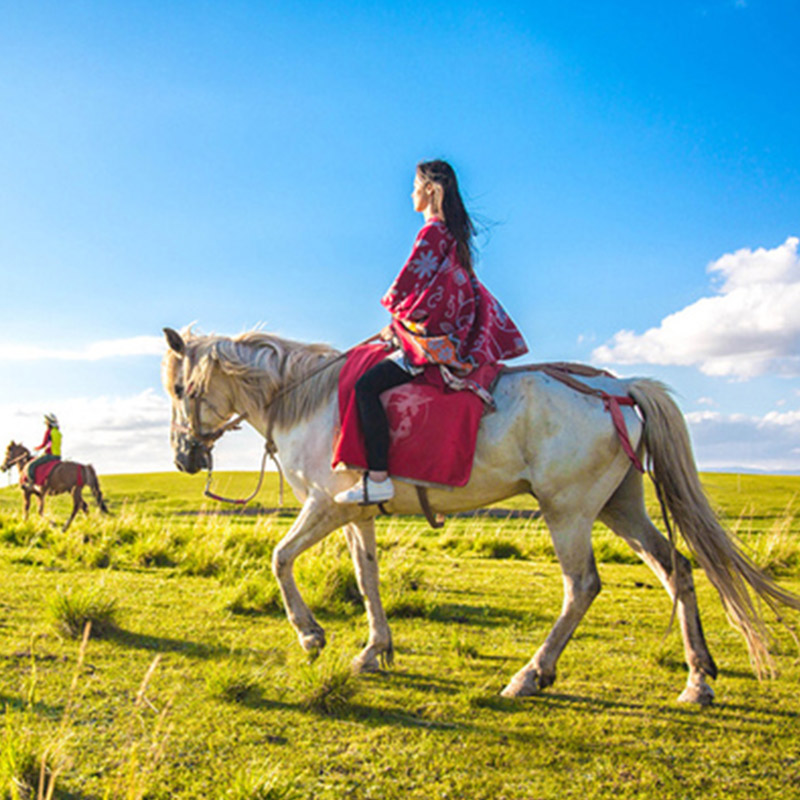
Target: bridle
[(21, 457), (207, 440), (193, 429)]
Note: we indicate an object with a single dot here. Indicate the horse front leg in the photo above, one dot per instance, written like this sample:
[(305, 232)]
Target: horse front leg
[(318, 517), (26, 503), (379, 651), (573, 546)]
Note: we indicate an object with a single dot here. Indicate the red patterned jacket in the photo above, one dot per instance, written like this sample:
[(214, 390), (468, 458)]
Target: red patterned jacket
[(442, 314)]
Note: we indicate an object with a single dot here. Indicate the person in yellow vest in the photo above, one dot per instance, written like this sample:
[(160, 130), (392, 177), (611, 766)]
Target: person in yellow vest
[(51, 444)]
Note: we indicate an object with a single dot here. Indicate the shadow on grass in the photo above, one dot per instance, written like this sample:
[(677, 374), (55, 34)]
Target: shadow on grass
[(18, 704), (672, 711), (161, 644), (483, 616), (356, 712), (422, 683)]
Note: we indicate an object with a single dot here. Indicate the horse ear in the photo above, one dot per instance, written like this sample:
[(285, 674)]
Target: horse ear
[(175, 341)]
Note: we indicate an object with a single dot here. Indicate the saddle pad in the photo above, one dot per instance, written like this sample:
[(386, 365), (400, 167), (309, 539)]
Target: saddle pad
[(42, 472), (432, 428)]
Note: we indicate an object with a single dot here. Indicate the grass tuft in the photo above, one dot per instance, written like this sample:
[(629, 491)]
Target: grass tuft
[(489, 547), (254, 596), (327, 687), (777, 551), (21, 757), (265, 783), (71, 609), (231, 682), (333, 588)]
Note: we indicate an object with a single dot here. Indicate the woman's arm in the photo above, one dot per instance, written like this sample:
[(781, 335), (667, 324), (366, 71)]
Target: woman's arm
[(45, 441)]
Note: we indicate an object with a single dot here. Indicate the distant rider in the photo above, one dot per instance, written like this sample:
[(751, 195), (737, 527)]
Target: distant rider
[(51, 444)]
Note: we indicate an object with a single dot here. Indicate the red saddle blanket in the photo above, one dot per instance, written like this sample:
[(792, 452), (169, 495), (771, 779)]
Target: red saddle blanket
[(432, 428), (42, 472)]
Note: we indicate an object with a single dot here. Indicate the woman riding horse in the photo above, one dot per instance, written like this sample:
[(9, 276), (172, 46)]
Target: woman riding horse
[(51, 444), (442, 317)]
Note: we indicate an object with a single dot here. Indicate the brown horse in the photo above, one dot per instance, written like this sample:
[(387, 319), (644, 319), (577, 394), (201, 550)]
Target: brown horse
[(67, 476)]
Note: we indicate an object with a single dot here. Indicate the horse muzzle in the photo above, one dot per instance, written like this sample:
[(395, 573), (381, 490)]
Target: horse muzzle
[(191, 455)]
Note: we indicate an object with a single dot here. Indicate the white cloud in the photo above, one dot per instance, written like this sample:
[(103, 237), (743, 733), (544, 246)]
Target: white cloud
[(95, 351), (750, 327), (723, 441), (119, 434)]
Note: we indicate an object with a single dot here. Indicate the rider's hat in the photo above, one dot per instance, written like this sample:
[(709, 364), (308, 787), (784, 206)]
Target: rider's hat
[(51, 419)]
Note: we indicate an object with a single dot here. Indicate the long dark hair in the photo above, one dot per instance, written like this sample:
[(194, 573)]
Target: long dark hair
[(455, 214)]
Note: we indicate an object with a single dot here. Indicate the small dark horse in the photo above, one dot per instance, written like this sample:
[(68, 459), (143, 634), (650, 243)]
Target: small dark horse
[(67, 476)]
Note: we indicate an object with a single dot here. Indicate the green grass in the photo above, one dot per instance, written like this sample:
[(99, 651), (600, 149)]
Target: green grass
[(201, 690), (73, 609)]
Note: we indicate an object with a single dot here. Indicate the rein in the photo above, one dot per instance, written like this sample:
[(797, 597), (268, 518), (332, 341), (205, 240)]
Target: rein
[(270, 448), (19, 458), (244, 500)]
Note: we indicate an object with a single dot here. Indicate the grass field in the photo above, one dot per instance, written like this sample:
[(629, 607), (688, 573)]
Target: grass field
[(193, 685)]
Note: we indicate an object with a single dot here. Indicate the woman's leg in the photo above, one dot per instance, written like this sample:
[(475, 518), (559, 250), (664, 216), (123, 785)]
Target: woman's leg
[(374, 423)]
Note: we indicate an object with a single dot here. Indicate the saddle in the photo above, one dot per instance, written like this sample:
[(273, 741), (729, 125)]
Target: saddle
[(38, 471), (432, 429)]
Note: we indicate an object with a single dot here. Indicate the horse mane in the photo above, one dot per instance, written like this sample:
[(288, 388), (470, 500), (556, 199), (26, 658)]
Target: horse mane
[(269, 371)]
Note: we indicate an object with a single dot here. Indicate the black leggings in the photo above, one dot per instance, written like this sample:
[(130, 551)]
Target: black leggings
[(374, 423)]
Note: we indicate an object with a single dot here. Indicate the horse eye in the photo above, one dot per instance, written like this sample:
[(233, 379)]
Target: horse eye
[(178, 391)]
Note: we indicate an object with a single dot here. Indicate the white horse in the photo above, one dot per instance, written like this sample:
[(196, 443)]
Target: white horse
[(544, 439)]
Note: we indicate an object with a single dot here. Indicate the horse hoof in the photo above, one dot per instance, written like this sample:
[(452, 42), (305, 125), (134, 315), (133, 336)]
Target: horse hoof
[(528, 683), (313, 643), (365, 664), (700, 695), (373, 658)]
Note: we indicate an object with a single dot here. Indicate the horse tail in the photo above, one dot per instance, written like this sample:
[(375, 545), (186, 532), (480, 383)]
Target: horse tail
[(731, 572), (94, 485)]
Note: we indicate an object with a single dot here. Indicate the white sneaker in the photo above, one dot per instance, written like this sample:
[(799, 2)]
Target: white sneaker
[(367, 491)]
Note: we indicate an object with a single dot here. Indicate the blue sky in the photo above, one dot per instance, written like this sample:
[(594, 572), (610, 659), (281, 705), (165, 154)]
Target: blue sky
[(240, 163)]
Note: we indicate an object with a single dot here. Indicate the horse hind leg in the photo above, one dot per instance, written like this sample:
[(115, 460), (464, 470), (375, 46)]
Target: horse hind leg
[(626, 515), (78, 503), (572, 540)]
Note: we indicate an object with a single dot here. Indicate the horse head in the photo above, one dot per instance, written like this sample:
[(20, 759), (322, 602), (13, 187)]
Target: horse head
[(201, 404), (15, 454)]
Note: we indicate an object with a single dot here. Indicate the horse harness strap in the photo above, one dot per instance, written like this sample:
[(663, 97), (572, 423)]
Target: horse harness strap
[(565, 373), (270, 447), (434, 520)]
